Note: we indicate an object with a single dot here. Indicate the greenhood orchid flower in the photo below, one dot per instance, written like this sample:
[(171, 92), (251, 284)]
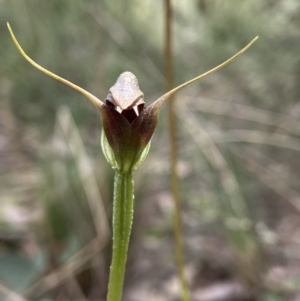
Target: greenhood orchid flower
[(128, 124)]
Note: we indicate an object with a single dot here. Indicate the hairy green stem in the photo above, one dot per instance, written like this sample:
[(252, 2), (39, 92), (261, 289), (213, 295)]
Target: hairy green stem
[(122, 222)]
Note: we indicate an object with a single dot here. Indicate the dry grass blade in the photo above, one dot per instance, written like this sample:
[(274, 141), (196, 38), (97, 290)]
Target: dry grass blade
[(66, 270), (257, 137), (74, 289), (172, 124), (292, 114), (85, 171), (247, 252), (242, 112), (67, 131), (9, 295), (269, 178), (282, 170), (216, 159)]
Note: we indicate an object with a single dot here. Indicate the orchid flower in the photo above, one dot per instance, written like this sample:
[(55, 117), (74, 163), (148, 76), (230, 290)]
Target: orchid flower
[(128, 126)]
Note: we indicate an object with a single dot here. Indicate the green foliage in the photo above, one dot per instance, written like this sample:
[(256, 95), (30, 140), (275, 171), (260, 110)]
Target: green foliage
[(91, 43)]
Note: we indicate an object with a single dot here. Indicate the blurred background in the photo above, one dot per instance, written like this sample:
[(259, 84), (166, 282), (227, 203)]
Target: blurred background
[(239, 143)]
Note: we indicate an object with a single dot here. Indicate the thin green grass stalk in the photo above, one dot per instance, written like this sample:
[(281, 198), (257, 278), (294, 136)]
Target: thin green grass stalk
[(177, 222), (122, 222)]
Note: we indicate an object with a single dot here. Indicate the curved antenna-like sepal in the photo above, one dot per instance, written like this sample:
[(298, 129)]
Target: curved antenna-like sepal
[(97, 102), (158, 103)]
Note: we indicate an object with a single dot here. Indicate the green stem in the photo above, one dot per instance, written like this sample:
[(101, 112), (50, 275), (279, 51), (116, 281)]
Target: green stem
[(122, 221)]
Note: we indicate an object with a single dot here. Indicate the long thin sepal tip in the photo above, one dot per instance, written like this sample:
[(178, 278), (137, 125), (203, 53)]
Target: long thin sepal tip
[(97, 102), (157, 104)]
